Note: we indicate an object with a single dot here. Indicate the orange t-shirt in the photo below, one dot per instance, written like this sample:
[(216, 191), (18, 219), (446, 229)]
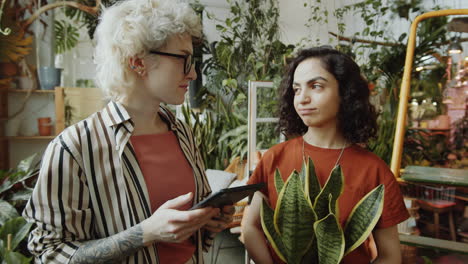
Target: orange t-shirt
[(167, 175), (363, 171)]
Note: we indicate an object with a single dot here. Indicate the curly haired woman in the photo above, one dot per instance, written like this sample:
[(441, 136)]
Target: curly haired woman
[(325, 109)]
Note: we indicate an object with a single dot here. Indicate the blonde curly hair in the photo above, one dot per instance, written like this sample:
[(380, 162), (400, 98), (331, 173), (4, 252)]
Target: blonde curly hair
[(131, 28)]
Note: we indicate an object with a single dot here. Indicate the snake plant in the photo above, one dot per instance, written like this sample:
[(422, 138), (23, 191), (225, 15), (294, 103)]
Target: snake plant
[(304, 227)]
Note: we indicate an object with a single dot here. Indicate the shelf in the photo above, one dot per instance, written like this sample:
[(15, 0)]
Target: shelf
[(32, 91), (433, 129), (28, 138)]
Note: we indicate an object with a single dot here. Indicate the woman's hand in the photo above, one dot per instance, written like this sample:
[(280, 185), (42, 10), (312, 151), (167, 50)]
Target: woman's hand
[(168, 224), (220, 222)]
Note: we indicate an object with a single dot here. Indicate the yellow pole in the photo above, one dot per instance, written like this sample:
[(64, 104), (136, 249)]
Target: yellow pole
[(405, 85)]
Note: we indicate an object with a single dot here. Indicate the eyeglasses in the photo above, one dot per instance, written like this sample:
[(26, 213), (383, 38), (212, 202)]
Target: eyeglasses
[(187, 59)]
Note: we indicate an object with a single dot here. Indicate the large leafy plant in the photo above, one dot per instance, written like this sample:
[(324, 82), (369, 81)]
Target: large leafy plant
[(12, 234), (16, 44), (249, 49), (385, 54), (15, 190), (304, 227)]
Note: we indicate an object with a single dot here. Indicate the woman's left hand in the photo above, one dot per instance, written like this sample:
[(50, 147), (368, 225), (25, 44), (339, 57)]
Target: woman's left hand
[(220, 222)]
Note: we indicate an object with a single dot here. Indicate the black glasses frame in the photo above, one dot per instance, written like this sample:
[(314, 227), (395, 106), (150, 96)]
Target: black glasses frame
[(187, 59)]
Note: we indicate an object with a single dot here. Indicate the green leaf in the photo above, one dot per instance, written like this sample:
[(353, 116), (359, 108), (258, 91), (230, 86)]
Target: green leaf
[(311, 256), (267, 216), (66, 36), (330, 240), (18, 228), (240, 130), (293, 219), (363, 218), (279, 183), (6, 185), (333, 186), (16, 258), (303, 175), (312, 184), (22, 195), (7, 212), (27, 164)]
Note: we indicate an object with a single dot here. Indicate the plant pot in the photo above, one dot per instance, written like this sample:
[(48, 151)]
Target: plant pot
[(44, 125), (49, 77)]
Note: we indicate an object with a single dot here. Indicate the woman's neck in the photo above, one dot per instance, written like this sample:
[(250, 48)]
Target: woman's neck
[(145, 116), (325, 138)]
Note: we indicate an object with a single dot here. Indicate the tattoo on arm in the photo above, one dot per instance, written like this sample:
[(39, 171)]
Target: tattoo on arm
[(110, 249)]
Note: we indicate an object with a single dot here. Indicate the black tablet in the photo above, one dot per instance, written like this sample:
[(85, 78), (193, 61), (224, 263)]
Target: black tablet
[(229, 196)]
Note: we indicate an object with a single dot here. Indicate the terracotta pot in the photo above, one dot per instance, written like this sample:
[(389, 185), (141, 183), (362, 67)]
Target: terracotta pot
[(44, 125)]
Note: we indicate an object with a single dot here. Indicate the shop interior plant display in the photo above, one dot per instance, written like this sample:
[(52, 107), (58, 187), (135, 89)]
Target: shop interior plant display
[(18, 17), (384, 66), (249, 49), (304, 226), (17, 38), (15, 189), (246, 52)]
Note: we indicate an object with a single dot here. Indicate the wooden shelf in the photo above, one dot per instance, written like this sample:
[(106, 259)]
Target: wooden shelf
[(28, 137), (433, 129), (32, 91)]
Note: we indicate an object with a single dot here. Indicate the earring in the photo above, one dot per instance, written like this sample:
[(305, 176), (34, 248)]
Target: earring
[(133, 67)]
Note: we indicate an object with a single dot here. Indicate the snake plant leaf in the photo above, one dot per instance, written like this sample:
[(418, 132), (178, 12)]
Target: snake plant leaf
[(312, 186), (293, 219), (279, 183), (330, 240), (267, 214), (363, 218), (303, 174), (333, 186), (311, 256)]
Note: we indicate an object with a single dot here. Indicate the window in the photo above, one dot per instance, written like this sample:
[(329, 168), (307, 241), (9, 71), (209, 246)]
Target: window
[(263, 130)]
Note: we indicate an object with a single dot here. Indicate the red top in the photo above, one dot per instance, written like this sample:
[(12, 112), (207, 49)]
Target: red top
[(167, 175), (363, 171)]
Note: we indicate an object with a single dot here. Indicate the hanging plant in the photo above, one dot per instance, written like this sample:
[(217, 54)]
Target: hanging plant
[(14, 45), (304, 227), (66, 36)]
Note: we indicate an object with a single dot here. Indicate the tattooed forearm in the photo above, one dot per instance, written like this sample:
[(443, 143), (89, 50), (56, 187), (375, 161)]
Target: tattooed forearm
[(110, 249)]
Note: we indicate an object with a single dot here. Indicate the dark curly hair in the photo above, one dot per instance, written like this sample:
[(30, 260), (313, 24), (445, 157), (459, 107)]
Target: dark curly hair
[(357, 117)]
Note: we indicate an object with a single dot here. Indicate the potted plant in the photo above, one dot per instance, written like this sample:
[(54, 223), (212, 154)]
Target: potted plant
[(249, 49), (14, 43), (15, 190), (304, 226)]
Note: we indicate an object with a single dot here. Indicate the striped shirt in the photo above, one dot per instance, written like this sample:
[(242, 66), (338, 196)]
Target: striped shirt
[(90, 186)]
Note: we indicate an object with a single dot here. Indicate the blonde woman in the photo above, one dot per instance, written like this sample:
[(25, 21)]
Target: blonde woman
[(117, 186)]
